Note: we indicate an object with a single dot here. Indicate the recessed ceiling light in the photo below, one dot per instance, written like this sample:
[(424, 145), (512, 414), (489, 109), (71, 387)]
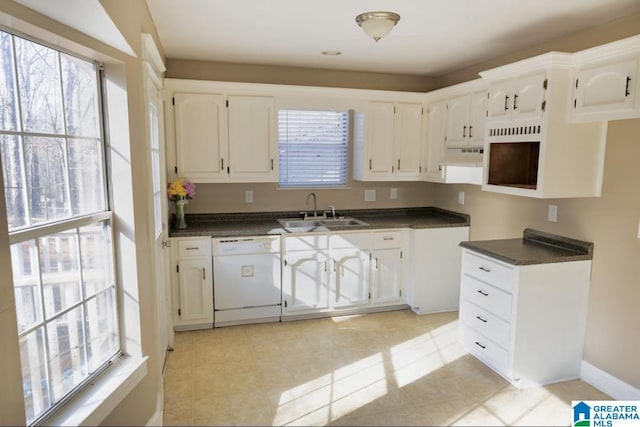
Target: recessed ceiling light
[(331, 52)]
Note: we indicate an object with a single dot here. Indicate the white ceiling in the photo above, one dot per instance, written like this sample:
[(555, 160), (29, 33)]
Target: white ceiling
[(433, 36)]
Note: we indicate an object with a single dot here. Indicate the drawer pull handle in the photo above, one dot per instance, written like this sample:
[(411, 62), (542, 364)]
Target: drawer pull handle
[(480, 318), (192, 248), (481, 292), (483, 268), (387, 238), (480, 345)]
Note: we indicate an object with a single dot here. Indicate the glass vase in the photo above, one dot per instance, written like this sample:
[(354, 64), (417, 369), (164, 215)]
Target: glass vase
[(181, 222)]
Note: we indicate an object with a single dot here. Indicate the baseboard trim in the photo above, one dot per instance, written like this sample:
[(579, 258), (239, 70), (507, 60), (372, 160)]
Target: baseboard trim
[(156, 419), (607, 383)]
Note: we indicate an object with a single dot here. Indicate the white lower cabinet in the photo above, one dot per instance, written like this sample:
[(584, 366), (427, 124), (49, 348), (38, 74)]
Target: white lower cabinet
[(330, 273), (387, 268), (435, 269), (305, 274), (526, 322), (192, 283)]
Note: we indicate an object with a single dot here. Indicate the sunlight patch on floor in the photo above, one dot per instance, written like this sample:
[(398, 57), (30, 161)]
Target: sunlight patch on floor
[(418, 357), (348, 388)]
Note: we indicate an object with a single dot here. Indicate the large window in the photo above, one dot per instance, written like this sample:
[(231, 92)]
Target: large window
[(53, 166), (313, 148)]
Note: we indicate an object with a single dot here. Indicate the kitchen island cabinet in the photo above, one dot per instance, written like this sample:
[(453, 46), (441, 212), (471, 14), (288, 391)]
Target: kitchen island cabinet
[(523, 306)]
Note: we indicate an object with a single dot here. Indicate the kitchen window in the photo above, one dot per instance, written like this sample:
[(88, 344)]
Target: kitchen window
[(313, 148), (60, 222)]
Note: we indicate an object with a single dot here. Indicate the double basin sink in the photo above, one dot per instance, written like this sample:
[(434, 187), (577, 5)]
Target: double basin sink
[(297, 225)]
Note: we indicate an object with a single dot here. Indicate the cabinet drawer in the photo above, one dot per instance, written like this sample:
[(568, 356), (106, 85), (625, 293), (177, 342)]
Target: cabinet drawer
[(485, 349), (387, 239), (194, 247), (486, 323), (488, 270), (350, 241), (491, 299)]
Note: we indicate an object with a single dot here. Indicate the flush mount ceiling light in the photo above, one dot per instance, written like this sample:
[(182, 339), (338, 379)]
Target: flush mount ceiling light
[(377, 24)]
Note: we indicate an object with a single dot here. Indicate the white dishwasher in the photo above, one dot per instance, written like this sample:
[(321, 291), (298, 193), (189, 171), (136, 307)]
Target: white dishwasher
[(246, 280)]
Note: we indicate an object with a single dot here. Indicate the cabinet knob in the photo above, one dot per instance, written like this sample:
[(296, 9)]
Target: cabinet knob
[(506, 102)]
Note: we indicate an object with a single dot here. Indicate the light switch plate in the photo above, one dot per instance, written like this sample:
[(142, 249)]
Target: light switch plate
[(248, 196), (369, 195), (393, 193), (461, 197), (552, 214)]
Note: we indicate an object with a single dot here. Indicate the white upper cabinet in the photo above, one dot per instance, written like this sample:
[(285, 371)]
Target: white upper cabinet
[(392, 146), (530, 147), (435, 147), (218, 135), (253, 150), (200, 129), (606, 82), (517, 98), (466, 115)]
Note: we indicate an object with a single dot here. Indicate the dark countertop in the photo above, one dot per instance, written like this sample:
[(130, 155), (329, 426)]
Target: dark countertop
[(265, 223), (535, 247)]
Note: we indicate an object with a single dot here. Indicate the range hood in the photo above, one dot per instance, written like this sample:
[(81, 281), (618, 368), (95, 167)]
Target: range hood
[(465, 157), (462, 165)]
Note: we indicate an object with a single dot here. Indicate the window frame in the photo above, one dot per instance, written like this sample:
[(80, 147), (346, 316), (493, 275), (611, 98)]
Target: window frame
[(134, 368), (344, 185)]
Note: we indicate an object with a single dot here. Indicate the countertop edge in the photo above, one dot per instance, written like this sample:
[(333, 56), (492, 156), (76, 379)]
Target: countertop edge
[(582, 250), (199, 221)]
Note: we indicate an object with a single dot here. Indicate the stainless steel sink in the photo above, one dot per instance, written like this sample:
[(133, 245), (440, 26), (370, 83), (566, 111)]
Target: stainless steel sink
[(305, 225)]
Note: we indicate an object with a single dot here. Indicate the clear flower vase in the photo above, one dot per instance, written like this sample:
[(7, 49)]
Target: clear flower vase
[(181, 222)]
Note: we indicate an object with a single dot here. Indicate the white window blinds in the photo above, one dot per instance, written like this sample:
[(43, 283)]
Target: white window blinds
[(313, 148)]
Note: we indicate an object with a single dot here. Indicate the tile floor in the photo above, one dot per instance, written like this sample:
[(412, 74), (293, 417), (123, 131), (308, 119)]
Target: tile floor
[(390, 368)]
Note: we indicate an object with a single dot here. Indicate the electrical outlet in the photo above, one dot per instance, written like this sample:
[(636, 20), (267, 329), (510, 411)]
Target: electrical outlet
[(248, 196), (552, 214), (369, 195), (461, 197), (393, 194)]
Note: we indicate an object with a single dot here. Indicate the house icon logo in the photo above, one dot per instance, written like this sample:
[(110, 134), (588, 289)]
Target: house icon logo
[(581, 415)]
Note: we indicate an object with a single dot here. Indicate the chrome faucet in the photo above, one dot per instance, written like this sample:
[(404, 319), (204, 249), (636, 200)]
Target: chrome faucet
[(315, 203), (333, 211)]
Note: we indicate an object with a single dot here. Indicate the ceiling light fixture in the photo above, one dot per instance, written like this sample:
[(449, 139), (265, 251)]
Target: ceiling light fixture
[(377, 24)]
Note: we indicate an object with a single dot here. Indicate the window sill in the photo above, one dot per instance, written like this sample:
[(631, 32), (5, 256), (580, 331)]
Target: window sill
[(96, 401)]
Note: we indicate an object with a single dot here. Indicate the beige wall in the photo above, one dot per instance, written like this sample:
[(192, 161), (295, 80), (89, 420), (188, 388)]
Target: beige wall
[(203, 70), (574, 42), (214, 198)]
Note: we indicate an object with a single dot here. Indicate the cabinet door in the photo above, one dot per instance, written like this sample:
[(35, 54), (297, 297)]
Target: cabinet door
[(252, 139), (350, 273), (500, 99), (408, 141), (387, 276), (200, 126), (606, 89), (458, 121), (436, 129), (528, 96), (380, 135), (305, 285), (477, 118), (195, 288)]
